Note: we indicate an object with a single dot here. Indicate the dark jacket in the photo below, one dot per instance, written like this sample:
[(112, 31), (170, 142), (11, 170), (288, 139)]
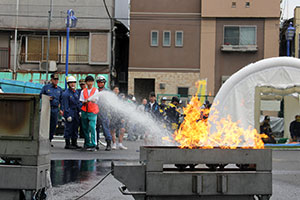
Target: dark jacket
[(172, 113), (266, 129), (55, 92), (71, 104), (295, 129), (154, 110)]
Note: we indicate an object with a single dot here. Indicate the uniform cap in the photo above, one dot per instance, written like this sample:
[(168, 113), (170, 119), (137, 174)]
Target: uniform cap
[(81, 82), (54, 76), (164, 99)]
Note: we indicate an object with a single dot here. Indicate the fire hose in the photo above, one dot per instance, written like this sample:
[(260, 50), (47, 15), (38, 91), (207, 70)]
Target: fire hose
[(95, 185)]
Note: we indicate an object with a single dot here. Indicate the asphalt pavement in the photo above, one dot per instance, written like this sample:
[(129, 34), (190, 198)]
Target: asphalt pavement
[(75, 171)]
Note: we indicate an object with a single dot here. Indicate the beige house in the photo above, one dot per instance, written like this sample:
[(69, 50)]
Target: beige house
[(174, 43), (89, 43), (297, 33)]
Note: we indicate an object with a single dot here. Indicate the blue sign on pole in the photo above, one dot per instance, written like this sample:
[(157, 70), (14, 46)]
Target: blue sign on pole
[(71, 23), (289, 36)]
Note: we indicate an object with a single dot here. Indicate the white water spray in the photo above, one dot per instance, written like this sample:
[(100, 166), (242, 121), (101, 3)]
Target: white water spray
[(143, 122)]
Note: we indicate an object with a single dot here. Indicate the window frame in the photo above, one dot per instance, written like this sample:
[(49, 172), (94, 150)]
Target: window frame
[(108, 62), (42, 50), (176, 45), (63, 48), (233, 4), (247, 26), (170, 40), (181, 87), (151, 38)]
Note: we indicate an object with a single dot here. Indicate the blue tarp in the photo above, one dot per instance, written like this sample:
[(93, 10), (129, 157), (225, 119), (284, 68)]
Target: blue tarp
[(12, 86), (283, 145)]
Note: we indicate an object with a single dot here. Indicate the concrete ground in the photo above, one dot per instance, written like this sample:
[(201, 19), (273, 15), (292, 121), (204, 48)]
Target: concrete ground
[(75, 171)]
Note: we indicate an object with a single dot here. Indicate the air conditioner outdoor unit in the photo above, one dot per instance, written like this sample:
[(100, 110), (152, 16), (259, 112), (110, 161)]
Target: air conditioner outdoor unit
[(51, 67)]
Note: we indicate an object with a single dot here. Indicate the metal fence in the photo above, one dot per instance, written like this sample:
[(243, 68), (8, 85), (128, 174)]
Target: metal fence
[(4, 58)]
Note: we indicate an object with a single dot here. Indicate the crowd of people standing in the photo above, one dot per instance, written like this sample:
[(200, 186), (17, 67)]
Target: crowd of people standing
[(85, 116)]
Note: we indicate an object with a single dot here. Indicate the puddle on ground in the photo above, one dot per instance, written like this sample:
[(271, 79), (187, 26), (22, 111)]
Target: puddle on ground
[(77, 171)]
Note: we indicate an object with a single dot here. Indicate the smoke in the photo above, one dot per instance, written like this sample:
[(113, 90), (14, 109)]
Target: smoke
[(139, 123)]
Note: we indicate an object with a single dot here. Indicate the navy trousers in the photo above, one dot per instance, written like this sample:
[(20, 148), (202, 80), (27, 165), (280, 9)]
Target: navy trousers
[(53, 122)]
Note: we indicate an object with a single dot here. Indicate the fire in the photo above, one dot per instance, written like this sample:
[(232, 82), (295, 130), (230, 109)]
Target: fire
[(194, 132)]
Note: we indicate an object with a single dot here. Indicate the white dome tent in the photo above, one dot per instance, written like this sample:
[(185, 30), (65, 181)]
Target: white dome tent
[(237, 95)]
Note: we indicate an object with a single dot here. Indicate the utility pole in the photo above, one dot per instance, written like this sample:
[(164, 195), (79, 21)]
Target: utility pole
[(16, 38), (71, 23), (112, 42), (48, 41)]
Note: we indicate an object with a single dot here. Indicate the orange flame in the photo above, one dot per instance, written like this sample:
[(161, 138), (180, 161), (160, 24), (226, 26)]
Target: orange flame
[(194, 131)]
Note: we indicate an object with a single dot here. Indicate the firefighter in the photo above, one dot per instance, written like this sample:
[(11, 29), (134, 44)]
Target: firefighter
[(55, 94), (172, 114), (71, 109), (82, 87), (163, 104), (102, 118)]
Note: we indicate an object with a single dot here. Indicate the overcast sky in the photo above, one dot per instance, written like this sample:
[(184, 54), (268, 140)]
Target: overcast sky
[(288, 7)]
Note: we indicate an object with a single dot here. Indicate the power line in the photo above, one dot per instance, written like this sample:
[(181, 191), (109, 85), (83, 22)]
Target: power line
[(108, 18)]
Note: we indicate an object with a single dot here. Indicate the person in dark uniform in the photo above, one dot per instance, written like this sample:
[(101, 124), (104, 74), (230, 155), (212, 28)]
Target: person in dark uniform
[(102, 117), (265, 128), (295, 129), (71, 107), (55, 94), (163, 104), (172, 114), (82, 85)]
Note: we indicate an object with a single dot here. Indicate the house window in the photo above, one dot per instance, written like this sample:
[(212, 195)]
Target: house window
[(183, 91), (179, 38), (154, 38), (167, 39), (240, 35), (36, 48), (233, 5), (4, 58), (247, 5), (78, 49)]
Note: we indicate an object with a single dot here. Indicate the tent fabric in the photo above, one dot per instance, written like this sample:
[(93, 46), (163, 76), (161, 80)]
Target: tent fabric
[(236, 96)]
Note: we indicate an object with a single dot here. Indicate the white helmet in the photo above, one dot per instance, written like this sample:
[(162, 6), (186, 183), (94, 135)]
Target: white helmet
[(71, 79), (100, 78)]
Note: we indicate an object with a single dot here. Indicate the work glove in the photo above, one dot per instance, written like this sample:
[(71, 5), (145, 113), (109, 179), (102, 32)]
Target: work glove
[(69, 119)]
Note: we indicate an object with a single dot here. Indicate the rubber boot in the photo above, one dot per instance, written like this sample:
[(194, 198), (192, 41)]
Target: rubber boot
[(74, 143), (68, 145), (108, 145), (97, 146)]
